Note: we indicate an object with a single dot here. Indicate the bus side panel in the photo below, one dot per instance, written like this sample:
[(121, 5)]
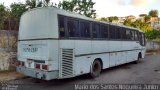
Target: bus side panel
[(105, 60), (120, 58), (83, 56), (53, 54), (124, 58), (112, 59), (82, 65), (115, 46), (113, 55), (101, 47), (83, 47), (130, 50)]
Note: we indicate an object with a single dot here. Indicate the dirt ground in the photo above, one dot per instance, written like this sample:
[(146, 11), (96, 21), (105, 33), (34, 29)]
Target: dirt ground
[(145, 72), (10, 75)]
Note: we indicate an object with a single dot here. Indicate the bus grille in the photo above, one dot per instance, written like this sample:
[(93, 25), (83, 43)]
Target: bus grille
[(67, 62)]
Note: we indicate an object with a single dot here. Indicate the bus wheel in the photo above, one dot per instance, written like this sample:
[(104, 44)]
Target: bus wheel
[(138, 59), (96, 69)]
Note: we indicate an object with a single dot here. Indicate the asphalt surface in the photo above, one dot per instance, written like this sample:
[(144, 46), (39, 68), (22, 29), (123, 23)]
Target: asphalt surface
[(145, 72)]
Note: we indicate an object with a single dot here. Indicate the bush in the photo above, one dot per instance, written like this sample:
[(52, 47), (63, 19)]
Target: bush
[(154, 34)]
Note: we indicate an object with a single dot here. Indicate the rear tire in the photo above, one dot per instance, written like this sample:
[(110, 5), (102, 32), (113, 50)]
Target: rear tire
[(96, 69), (138, 59)]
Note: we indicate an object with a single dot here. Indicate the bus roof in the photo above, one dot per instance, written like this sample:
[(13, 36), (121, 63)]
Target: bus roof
[(76, 15)]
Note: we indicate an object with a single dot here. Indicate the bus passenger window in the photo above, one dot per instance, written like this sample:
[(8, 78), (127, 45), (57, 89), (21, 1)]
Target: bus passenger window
[(128, 36), (143, 41), (112, 32), (140, 38), (104, 31), (118, 33), (85, 29), (61, 21), (95, 30), (123, 32), (73, 29), (136, 35), (132, 35)]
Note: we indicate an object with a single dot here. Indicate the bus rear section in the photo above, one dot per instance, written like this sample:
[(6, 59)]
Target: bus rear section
[(35, 59), (37, 46)]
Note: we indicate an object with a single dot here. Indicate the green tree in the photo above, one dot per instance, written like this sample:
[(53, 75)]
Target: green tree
[(127, 22), (112, 18), (143, 15), (2, 15), (104, 19), (30, 4), (68, 5), (153, 13), (153, 34), (142, 25), (17, 9), (146, 27), (147, 18), (137, 24), (84, 7), (46, 3)]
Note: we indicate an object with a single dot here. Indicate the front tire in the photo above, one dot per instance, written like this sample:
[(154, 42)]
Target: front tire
[(96, 69), (138, 59)]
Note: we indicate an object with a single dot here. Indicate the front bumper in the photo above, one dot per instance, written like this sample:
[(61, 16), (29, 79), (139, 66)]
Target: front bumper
[(46, 75)]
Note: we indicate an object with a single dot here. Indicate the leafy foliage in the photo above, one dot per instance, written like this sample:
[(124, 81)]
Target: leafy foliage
[(128, 22), (30, 4), (2, 15), (142, 15), (84, 7), (154, 34), (147, 18), (111, 19), (153, 13), (139, 24), (17, 9), (104, 19)]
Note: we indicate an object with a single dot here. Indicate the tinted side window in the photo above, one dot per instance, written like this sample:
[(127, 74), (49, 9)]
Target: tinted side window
[(140, 38), (128, 36), (136, 35), (118, 33), (144, 39), (104, 31), (123, 32), (95, 30), (112, 31), (132, 35), (73, 29), (61, 21), (85, 29)]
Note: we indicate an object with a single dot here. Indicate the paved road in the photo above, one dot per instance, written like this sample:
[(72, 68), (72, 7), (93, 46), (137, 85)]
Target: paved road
[(146, 72)]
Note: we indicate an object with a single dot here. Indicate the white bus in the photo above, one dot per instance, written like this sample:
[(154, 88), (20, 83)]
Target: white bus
[(57, 44)]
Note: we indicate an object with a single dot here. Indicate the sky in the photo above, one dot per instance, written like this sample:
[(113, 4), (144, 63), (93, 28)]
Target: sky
[(120, 8)]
